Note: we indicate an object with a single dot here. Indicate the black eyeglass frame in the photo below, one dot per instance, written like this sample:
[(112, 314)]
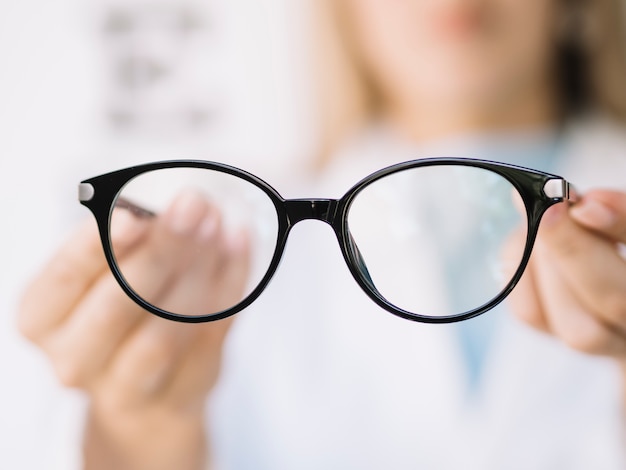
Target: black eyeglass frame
[(538, 190)]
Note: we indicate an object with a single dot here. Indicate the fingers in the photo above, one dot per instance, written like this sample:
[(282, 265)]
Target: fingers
[(101, 314), (603, 212), (175, 267), (61, 283), (176, 362), (53, 294), (103, 342), (588, 263), (567, 316), (195, 267), (85, 342), (182, 264), (575, 284), (200, 263), (143, 364), (199, 367)]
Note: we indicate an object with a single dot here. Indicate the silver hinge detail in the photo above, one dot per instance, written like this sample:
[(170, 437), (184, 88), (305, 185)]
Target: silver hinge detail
[(85, 192), (556, 188)]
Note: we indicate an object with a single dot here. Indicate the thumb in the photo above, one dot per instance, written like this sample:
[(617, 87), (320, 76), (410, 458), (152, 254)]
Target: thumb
[(604, 212)]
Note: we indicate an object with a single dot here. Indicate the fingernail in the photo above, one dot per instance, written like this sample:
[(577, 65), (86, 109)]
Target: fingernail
[(593, 213)]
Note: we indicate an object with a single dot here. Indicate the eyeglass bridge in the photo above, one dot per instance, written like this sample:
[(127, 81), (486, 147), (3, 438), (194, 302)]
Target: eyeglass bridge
[(317, 209)]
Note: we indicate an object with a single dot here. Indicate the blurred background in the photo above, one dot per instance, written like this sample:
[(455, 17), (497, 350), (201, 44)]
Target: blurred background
[(91, 86)]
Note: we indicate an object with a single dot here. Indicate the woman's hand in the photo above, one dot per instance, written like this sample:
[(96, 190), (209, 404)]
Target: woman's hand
[(147, 378), (575, 284)]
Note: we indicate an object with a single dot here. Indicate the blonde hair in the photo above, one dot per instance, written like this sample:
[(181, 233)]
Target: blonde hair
[(604, 54), (591, 68)]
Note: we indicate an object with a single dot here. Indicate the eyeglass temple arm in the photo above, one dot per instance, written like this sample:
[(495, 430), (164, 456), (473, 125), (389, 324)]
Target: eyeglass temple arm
[(86, 192), (133, 208)]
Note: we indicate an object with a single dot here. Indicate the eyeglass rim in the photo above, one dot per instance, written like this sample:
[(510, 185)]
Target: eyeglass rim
[(528, 182), (100, 193)]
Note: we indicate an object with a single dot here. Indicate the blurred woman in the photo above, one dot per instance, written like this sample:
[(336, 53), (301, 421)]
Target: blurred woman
[(326, 380)]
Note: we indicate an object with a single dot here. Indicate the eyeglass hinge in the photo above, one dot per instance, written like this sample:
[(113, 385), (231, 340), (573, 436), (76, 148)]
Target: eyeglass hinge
[(86, 192), (557, 188)]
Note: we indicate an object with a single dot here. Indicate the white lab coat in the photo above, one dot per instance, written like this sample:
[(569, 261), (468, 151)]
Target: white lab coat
[(316, 376)]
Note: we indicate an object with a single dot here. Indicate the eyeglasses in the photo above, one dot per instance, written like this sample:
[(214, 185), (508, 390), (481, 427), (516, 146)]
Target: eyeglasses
[(424, 239)]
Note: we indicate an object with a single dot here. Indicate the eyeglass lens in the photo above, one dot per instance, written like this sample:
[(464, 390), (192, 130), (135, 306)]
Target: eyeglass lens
[(437, 240), (208, 237), (434, 240)]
